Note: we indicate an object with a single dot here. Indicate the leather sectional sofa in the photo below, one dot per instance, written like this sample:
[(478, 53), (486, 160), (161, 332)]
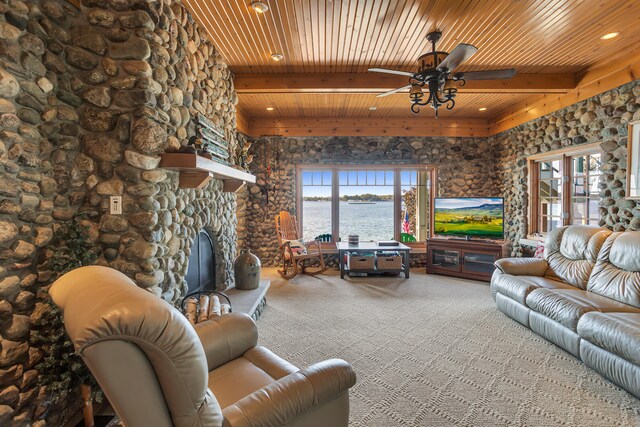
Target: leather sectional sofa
[(584, 296)]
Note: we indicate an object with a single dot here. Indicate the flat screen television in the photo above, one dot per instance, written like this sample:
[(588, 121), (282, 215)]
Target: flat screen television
[(469, 217)]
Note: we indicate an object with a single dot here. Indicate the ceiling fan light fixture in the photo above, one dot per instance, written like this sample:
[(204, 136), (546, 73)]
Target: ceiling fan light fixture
[(259, 6), (609, 36), (436, 82), (277, 57)]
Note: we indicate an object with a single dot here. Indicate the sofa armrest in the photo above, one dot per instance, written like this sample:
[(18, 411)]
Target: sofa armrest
[(284, 400), (226, 338), (522, 266)]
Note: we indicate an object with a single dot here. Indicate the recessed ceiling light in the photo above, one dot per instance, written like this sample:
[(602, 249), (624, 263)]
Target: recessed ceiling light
[(373, 108), (610, 35), (270, 108), (277, 57), (259, 6), (482, 109)]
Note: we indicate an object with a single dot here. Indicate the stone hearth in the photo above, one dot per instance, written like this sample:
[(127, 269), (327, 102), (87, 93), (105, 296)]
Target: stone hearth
[(251, 302)]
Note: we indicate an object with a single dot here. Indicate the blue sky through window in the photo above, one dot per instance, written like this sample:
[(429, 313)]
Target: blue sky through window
[(354, 182), (464, 203)]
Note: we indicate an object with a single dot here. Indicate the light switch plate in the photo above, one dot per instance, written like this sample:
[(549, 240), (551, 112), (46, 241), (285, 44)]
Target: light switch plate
[(115, 205)]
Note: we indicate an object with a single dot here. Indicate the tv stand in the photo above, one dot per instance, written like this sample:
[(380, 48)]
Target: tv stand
[(471, 259)]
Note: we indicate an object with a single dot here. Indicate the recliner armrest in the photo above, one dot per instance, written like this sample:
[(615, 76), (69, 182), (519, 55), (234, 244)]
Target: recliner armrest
[(522, 266), (290, 397), (226, 338)]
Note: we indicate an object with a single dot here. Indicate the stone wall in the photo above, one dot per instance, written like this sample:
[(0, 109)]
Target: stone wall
[(465, 168), (88, 100), (602, 118)]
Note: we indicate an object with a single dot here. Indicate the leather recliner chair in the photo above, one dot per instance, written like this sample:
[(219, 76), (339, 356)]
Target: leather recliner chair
[(158, 370)]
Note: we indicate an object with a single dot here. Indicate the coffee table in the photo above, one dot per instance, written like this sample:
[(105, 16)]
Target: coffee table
[(344, 247)]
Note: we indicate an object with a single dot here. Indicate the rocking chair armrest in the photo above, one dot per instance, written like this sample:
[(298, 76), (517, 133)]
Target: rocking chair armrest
[(314, 243), (286, 244), (286, 247)]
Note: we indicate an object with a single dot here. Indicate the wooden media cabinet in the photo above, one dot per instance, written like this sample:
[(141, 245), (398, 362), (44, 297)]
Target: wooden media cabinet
[(471, 259)]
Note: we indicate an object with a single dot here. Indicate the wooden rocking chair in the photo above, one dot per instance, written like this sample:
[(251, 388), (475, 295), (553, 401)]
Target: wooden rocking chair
[(297, 256)]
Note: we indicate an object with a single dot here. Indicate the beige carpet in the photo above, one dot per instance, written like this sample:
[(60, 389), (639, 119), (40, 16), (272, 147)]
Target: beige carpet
[(434, 351)]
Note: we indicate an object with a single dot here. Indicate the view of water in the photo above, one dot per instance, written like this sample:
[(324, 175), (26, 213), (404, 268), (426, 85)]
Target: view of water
[(369, 221)]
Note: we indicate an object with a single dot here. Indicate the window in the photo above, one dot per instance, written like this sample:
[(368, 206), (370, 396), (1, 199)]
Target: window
[(550, 194), (564, 188), (366, 205), (585, 193), (414, 185), (316, 202), (376, 203)]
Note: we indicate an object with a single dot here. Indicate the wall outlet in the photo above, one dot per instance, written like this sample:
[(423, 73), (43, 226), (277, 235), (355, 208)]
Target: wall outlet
[(115, 205)]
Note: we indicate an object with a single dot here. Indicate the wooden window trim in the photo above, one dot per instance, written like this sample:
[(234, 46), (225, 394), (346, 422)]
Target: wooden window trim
[(565, 155), (630, 154), (567, 151), (335, 193)]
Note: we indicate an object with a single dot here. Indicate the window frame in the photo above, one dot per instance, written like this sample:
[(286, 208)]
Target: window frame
[(566, 156), (432, 171)]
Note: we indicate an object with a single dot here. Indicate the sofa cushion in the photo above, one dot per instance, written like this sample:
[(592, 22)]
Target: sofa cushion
[(522, 266), (256, 369), (237, 379), (567, 306), (618, 333), (616, 274), (572, 251), (625, 251), (518, 287)]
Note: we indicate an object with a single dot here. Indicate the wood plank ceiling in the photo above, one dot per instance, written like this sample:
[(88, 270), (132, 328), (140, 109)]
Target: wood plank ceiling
[(334, 37)]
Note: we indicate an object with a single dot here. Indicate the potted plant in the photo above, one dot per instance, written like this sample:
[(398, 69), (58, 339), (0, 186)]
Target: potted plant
[(61, 369)]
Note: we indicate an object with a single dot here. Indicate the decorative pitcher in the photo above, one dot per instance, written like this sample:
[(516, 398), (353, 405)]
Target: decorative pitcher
[(247, 270)]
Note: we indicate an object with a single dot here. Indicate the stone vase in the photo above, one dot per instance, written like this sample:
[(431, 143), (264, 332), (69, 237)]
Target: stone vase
[(247, 270)]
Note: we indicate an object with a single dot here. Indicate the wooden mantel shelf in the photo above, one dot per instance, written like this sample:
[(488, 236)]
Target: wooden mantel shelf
[(196, 171)]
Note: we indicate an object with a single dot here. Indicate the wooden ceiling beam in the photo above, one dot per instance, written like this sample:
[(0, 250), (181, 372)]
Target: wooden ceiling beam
[(367, 126), (242, 123), (378, 83), (590, 82)]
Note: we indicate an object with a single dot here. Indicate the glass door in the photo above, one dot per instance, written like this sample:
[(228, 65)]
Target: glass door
[(478, 262), (445, 259)]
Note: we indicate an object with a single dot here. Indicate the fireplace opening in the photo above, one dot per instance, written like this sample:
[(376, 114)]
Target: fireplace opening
[(201, 270)]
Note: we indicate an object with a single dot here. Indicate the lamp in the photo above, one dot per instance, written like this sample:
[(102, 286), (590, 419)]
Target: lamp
[(416, 92), (450, 90), (259, 6)]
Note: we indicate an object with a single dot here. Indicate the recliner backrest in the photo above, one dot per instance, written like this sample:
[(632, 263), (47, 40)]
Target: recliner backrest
[(572, 251), (93, 301), (616, 274)]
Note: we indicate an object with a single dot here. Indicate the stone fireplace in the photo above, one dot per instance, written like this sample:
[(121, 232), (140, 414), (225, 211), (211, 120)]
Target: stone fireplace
[(90, 99)]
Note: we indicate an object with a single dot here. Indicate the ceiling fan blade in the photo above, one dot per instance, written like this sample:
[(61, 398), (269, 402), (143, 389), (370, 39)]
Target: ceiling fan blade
[(391, 92), (461, 53), (487, 75), (384, 70)]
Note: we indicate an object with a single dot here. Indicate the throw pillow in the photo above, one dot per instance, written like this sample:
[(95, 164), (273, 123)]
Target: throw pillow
[(297, 247), (539, 253)]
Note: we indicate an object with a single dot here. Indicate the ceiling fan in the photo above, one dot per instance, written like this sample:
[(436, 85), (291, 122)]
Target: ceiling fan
[(435, 71)]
